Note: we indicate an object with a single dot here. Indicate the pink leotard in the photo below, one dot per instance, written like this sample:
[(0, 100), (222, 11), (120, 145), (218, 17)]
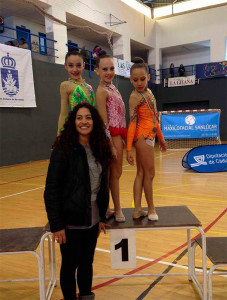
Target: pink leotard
[(115, 111)]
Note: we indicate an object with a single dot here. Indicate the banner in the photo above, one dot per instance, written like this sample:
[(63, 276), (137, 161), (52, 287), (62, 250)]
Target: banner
[(217, 69), (16, 77), (186, 126), (204, 159), (180, 81), (122, 67)]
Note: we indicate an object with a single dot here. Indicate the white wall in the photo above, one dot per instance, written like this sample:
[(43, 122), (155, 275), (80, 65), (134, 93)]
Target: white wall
[(190, 58), (209, 24), (82, 42), (98, 12)]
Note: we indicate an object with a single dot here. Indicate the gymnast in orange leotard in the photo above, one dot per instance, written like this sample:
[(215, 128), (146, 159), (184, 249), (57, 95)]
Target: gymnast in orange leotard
[(142, 130)]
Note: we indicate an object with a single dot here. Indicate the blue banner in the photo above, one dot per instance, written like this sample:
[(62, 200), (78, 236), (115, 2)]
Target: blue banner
[(210, 70), (188, 126), (205, 159)]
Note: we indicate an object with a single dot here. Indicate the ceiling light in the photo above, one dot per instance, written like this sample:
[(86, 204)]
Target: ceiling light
[(163, 11), (139, 7), (184, 6), (195, 4)]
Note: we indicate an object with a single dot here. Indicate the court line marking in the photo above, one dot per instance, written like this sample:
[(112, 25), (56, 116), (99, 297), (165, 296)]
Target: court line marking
[(156, 156), (160, 277), (190, 198), (13, 181), (157, 195), (176, 186), (151, 259), (161, 257), (20, 183), (163, 155), (214, 232), (183, 173), (159, 262), (21, 192), (179, 197)]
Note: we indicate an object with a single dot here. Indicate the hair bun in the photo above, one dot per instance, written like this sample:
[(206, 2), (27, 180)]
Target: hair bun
[(74, 50), (138, 60), (102, 53)]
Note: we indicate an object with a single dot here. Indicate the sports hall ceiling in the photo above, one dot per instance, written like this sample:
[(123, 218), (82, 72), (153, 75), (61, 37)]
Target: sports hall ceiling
[(24, 11)]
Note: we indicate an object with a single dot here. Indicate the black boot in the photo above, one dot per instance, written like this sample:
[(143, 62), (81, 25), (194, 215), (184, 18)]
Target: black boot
[(87, 297)]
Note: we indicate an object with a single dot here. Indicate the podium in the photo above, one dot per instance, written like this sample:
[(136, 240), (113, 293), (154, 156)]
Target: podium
[(170, 218), (26, 241)]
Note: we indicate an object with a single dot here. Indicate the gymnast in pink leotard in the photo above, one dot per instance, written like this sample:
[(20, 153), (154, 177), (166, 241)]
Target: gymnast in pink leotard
[(112, 110)]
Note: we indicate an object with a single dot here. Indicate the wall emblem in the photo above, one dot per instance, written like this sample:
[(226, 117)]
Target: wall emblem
[(9, 75)]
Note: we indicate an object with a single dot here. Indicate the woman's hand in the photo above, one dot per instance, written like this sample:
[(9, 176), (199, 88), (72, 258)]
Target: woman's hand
[(162, 145), (59, 236), (102, 227), (130, 158)]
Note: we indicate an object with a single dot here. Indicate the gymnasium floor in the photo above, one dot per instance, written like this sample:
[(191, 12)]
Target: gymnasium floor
[(21, 205)]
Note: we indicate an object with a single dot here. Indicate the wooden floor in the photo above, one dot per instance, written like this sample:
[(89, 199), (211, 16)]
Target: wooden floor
[(21, 205)]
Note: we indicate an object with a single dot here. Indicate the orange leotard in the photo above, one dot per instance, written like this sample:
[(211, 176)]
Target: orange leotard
[(147, 124)]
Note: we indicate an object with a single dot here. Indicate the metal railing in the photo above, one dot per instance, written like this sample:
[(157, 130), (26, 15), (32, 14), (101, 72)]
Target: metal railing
[(153, 75), (34, 45), (47, 48), (167, 72)]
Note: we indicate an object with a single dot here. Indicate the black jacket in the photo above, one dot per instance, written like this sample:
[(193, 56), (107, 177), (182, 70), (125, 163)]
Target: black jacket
[(67, 193)]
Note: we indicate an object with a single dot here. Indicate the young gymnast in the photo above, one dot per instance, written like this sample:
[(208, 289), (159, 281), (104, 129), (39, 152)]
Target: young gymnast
[(112, 110), (142, 129), (75, 90)]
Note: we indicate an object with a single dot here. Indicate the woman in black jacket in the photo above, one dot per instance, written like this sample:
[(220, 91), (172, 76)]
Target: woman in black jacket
[(77, 196)]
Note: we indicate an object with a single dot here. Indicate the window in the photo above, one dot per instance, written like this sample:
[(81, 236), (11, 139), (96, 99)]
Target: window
[(24, 34), (42, 43)]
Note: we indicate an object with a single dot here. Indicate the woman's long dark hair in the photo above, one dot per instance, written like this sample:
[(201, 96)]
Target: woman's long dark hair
[(99, 143)]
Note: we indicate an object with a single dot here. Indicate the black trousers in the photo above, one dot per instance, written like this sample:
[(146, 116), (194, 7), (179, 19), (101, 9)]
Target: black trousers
[(78, 254)]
